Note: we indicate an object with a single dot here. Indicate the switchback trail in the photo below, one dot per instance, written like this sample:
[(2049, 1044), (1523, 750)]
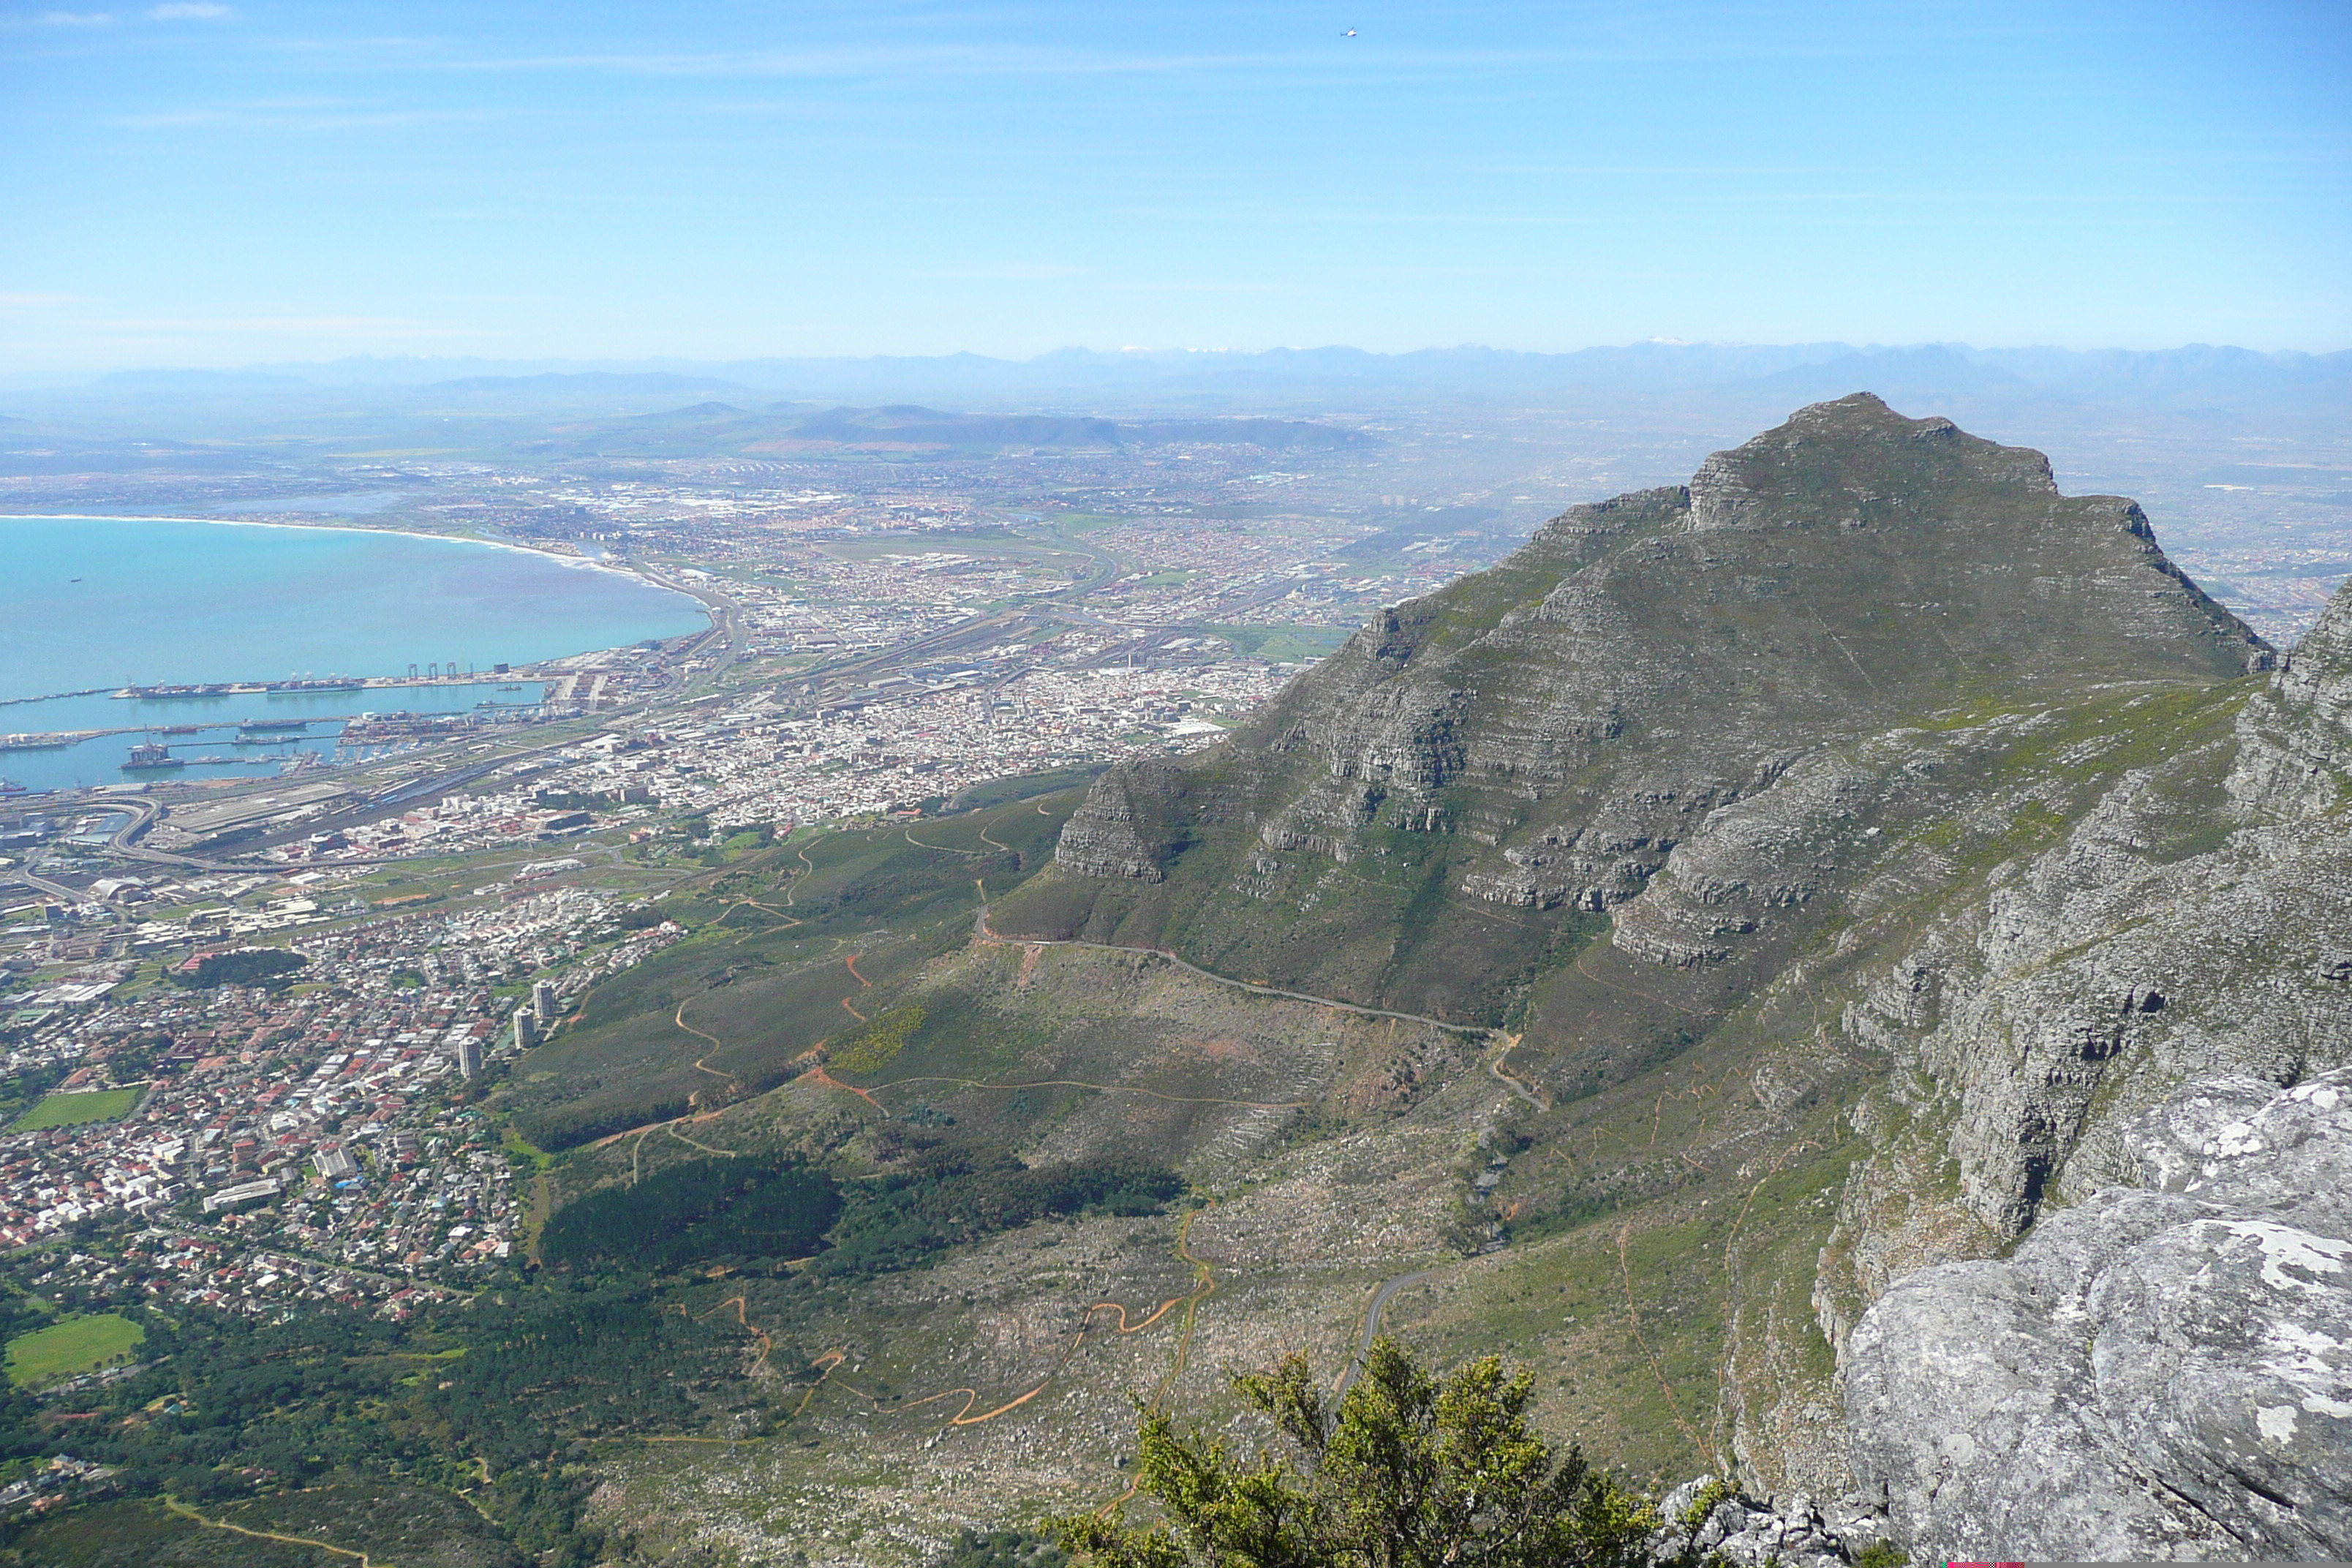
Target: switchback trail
[(818, 1074), (942, 849), (1511, 1081), (734, 1084), (185, 1511), (1100, 1088), (1205, 1284), (868, 985), (984, 839)]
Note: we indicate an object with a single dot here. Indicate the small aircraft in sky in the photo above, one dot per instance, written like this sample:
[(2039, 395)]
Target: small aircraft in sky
[(1349, 34)]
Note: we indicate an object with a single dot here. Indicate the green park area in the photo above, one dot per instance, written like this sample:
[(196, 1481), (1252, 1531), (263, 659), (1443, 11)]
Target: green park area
[(75, 1345), (72, 1109)]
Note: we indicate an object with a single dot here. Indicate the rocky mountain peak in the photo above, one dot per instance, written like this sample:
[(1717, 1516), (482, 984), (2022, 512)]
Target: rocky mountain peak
[(1853, 463), (1649, 680)]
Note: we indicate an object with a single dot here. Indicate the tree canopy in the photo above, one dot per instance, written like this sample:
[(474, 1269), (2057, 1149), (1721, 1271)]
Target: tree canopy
[(1411, 1471)]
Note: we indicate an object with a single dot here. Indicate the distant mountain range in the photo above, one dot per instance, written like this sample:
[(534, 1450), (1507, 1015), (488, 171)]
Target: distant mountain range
[(785, 429), (2182, 377)]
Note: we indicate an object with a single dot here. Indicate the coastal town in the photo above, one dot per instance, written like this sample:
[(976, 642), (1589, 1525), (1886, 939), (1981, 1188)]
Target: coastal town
[(251, 1134), (249, 1015)]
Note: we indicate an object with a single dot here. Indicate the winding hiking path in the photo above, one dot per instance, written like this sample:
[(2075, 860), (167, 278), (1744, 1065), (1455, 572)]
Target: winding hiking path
[(1372, 1314), (982, 930), (734, 1084), (852, 962), (185, 1511), (984, 839), (1509, 1079), (1102, 1089)]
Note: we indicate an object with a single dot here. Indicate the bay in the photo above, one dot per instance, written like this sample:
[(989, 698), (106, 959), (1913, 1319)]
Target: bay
[(92, 602)]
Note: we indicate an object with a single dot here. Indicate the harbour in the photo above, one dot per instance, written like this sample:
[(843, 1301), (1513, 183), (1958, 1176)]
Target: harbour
[(239, 734)]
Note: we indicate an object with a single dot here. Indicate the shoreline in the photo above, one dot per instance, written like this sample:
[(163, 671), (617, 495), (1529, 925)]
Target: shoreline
[(576, 562), (335, 528)]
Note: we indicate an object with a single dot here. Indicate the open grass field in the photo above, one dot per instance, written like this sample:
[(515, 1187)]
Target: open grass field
[(72, 1109), (76, 1345)]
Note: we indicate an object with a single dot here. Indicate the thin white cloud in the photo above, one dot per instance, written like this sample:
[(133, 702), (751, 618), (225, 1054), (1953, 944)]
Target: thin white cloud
[(75, 19), (36, 301), (189, 11)]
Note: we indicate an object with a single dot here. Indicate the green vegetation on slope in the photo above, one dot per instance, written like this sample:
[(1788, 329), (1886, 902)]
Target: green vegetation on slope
[(793, 946), (948, 1191), (692, 1211)]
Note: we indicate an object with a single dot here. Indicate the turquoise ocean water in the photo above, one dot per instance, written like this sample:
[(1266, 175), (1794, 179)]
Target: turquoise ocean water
[(107, 602)]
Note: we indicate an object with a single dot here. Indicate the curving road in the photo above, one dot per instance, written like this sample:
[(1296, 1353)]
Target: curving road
[(1389, 1288)]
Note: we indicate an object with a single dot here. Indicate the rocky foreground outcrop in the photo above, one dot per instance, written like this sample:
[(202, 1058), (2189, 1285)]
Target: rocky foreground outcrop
[(2164, 1372)]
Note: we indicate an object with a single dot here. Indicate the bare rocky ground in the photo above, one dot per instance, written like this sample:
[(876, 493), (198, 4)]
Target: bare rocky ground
[(1289, 1239)]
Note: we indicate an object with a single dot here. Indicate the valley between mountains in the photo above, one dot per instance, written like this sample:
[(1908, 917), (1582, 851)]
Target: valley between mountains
[(1699, 958)]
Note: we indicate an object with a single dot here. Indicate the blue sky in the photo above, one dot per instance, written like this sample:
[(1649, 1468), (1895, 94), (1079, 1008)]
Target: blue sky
[(223, 183)]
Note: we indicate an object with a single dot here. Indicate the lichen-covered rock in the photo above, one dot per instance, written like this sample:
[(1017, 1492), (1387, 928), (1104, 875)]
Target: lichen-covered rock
[(2164, 1372), (1704, 1525)]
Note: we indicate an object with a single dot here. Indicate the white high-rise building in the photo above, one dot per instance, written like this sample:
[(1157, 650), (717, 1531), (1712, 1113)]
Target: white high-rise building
[(469, 1058), (542, 1001)]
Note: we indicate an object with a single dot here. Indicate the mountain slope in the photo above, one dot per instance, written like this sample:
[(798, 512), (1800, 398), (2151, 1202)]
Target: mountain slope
[(1859, 850), (1431, 818)]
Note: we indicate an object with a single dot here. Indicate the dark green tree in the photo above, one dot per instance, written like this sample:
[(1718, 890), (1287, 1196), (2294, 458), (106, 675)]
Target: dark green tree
[(1412, 1471)]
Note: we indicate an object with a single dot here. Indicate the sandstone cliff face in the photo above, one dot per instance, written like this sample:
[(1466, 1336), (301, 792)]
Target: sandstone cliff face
[(1667, 708), (1873, 760), (2157, 1038)]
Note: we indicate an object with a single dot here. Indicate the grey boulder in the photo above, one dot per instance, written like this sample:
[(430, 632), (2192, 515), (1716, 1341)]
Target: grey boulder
[(2162, 1372)]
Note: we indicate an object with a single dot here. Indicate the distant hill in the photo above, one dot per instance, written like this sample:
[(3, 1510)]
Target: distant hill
[(1902, 374), (639, 383), (784, 428)]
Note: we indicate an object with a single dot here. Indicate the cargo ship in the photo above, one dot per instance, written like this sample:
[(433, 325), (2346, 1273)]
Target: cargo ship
[(260, 724), (331, 683), (149, 757)]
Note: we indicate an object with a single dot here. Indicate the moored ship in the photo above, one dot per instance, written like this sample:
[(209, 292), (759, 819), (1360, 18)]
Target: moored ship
[(151, 756)]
